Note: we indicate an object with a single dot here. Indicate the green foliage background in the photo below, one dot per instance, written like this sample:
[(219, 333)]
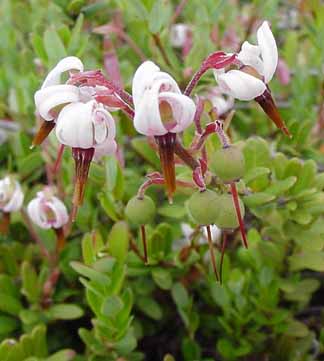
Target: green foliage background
[(107, 305)]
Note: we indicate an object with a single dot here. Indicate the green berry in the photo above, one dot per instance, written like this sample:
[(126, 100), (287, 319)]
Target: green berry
[(140, 210), (228, 163), (227, 217), (204, 207)]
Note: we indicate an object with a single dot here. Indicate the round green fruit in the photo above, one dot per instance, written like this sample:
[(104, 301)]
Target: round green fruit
[(228, 163), (227, 217), (204, 207), (140, 210)]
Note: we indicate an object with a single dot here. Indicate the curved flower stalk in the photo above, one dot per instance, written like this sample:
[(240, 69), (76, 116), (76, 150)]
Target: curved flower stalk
[(47, 211), (11, 200), (258, 65), (162, 111)]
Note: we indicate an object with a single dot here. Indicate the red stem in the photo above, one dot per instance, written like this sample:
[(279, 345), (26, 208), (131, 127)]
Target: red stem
[(143, 234), (238, 213)]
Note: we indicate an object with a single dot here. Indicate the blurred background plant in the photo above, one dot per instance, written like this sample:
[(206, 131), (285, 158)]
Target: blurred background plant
[(98, 301)]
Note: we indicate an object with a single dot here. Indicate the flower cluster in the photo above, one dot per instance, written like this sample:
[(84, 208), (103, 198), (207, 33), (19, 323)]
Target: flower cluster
[(79, 110)]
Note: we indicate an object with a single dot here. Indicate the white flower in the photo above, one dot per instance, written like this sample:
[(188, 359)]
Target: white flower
[(262, 58), (178, 35), (53, 95), (11, 195), (87, 125), (47, 211), (160, 107)]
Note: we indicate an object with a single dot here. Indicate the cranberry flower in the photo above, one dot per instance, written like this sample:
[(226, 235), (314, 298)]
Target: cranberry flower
[(47, 211), (222, 104), (82, 123), (11, 200), (161, 110), (53, 95), (258, 65)]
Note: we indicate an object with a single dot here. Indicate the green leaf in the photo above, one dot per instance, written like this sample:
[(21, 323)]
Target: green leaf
[(30, 286), (296, 328), (190, 349), (142, 147), (63, 355), (159, 15), (107, 203), (112, 305), (88, 251), (279, 187), (90, 273), (162, 278), (7, 325), (254, 173), (54, 47), (258, 199), (149, 307), (312, 260), (111, 172), (76, 35), (118, 241), (9, 304), (65, 311), (38, 336), (39, 48), (180, 295)]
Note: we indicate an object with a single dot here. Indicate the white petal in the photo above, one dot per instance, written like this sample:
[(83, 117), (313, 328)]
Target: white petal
[(60, 211), (250, 55), (48, 98), (269, 51), (183, 109), (74, 125), (104, 125), (15, 201), (178, 35), (240, 85), (142, 79), (66, 64), (35, 213)]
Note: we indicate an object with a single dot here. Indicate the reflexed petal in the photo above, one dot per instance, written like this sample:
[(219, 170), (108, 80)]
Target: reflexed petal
[(104, 125), (183, 109), (250, 55), (66, 64), (35, 213), (15, 201), (269, 51), (48, 98), (142, 80), (240, 85), (74, 125)]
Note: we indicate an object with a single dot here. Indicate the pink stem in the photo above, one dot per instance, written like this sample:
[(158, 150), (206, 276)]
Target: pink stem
[(58, 161)]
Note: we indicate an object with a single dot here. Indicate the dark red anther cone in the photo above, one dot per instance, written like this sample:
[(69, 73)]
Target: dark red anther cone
[(166, 144), (268, 104), (82, 158), (4, 223), (43, 131)]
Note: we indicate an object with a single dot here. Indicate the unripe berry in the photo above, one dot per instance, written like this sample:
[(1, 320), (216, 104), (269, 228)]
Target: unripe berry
[(140, 211), (228, 163), (227, 217), (204, 207)]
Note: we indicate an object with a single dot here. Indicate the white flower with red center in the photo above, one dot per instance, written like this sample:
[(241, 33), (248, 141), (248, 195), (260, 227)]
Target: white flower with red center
[(259, 65), (160, 107), (11, 195), (47, 211)]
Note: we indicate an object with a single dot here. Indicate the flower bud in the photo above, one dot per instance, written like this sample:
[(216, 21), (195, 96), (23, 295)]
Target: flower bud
[(228, 163), (47, 211), (11, 195), (140, 211), (204, 207), (227, 217)]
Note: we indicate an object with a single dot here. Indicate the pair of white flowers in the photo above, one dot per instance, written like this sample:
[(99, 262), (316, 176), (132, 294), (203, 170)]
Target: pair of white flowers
[(46, 210)]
